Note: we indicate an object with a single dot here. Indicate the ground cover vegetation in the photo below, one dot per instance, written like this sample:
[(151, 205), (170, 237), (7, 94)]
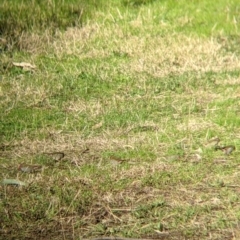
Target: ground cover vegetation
[(119, 118)]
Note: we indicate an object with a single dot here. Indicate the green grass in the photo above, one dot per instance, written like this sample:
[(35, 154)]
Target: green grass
[(17, 17), (131, 92)]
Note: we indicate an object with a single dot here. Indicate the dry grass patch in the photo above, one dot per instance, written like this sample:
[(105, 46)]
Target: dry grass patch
[(197, 124), (230, 81), (156, 55), (35, 43)]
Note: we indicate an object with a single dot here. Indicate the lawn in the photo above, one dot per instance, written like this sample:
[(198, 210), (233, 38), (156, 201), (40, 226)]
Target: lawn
[(115, 117)]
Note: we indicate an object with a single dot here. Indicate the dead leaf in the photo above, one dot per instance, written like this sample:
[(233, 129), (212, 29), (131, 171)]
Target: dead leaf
[(98, 125), (29, 168), (25, 66), (13, 182), (161, 233), (212, 142)]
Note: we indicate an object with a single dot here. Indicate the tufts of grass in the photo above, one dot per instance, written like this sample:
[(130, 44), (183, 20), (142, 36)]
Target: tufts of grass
[(136, 3), (17, 17)]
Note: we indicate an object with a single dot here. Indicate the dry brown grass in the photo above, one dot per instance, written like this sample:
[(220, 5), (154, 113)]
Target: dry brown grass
[(173, 54)]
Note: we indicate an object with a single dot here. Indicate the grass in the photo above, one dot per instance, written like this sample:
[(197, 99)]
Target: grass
[(131, 94), (18, 18)]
